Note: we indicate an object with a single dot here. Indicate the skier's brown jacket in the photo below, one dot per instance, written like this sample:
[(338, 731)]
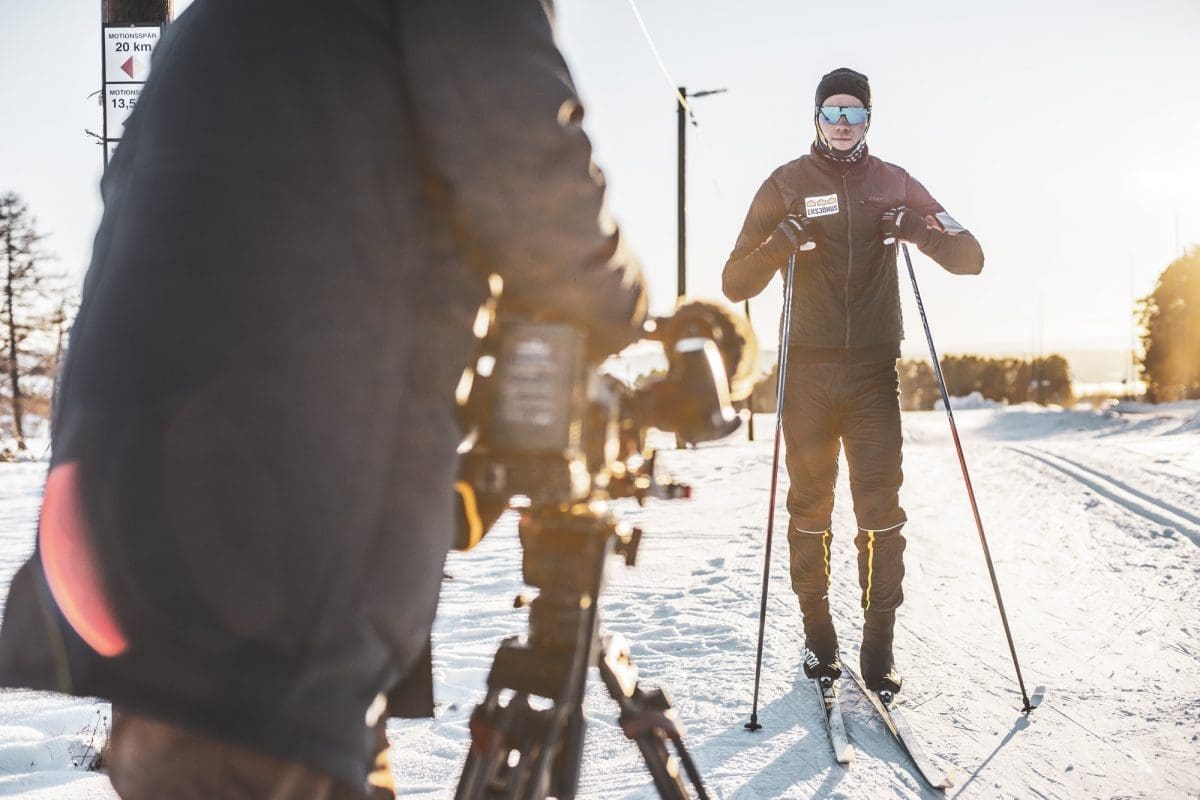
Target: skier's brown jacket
[(846, 302)]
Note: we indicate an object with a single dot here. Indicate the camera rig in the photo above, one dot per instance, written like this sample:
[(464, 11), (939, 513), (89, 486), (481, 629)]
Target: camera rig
[(550, 429)]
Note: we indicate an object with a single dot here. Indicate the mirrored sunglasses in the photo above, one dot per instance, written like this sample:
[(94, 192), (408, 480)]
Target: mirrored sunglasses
[(853, 114)]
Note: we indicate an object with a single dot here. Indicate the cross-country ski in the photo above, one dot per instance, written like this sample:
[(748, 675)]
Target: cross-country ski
[(897, 725), (843, 750)]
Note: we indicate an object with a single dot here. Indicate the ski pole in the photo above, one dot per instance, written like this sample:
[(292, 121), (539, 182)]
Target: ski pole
[(784, 334), (962, 462)]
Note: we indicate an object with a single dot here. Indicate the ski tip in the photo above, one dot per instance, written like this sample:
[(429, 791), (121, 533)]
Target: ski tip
[(846, 756), (948, 781)]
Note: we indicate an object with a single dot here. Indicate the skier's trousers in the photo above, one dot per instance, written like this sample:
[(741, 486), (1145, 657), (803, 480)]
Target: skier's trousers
[(826, 407)]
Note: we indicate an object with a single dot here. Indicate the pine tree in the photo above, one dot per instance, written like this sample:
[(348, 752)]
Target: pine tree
[(1007, 380), (1170, 318), (29, 306), (918, 385), (1052, 381)]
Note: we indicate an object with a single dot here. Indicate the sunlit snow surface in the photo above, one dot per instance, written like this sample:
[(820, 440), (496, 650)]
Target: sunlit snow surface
[(1093, 519)]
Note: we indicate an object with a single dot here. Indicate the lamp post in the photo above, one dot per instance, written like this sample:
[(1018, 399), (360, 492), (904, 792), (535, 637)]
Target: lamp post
[(682, 112)]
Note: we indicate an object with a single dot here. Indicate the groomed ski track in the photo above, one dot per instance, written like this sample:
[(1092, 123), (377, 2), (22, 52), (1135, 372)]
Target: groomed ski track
[(1090, 518)]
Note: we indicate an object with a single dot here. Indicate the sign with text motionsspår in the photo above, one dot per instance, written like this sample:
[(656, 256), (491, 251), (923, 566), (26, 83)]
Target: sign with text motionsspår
[(125, 68)]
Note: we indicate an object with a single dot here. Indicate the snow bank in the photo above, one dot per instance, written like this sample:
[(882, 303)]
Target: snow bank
[(1029, 421), (1183, 407), (972, 401), (48, 743)]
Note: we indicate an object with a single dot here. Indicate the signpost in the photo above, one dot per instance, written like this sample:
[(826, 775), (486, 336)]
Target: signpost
[(125, 66)]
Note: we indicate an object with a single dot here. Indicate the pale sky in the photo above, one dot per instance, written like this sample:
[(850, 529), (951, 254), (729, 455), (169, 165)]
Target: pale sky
[(1063, 133)]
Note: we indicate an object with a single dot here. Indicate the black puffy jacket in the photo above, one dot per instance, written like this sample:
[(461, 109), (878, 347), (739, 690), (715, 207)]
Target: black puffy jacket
[(250, 495), (846, 302)]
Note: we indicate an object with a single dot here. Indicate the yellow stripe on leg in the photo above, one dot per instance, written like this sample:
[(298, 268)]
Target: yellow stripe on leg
[(825, 539), (870, 566), (470, 516)]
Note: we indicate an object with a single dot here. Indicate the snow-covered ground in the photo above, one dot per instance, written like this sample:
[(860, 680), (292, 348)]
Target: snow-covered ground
[(1093, 520)]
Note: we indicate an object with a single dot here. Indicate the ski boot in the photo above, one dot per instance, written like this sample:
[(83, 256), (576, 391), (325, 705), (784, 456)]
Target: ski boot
[(875, 658), (821, 656)]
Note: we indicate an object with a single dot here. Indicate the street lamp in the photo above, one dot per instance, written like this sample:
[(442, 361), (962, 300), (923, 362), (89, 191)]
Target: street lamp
[(682, 111), (681, 211)]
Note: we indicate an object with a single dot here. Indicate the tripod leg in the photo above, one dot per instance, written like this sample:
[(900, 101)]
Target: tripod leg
[(650, 721), (492, 727), (511, 747), (569, 757), (519, 752)]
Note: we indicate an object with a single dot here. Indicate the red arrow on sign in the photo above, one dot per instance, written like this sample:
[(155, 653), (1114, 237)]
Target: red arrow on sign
[(127, 67)]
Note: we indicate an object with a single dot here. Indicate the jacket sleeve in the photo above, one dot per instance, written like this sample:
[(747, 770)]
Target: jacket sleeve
[(760, 252), (499, 124), (951, 245)]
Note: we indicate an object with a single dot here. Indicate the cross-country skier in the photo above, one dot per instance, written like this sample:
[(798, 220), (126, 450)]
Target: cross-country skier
[(842, 211)]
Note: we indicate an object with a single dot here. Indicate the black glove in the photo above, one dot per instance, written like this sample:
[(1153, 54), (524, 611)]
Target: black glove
[(799, 231), (904, 224)]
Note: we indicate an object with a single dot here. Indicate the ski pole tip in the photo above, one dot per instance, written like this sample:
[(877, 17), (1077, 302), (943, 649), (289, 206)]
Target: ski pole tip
[(753, 725), (1039, 694)]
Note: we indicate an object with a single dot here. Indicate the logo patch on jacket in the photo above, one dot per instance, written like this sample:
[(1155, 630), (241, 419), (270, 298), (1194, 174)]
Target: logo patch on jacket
[(821, 206)]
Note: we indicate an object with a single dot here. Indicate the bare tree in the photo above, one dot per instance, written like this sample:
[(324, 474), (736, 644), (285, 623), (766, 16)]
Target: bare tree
[(33, 306)]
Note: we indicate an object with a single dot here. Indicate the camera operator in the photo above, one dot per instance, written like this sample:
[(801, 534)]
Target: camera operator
[(249, 500)]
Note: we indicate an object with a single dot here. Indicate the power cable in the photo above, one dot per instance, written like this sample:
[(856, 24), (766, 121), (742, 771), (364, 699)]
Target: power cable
[(678, 95), (658, 57)]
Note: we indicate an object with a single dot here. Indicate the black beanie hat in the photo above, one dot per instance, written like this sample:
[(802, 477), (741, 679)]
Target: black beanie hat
[(844, 81)]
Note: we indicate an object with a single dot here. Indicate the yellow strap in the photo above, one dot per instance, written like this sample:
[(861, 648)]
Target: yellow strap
[(470, 512)]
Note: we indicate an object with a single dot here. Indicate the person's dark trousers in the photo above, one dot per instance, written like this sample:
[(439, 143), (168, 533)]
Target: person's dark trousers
[(826, 407), (148, 759)]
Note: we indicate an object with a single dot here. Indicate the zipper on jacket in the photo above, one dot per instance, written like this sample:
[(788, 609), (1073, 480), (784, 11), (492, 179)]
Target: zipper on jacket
[(849, 254)]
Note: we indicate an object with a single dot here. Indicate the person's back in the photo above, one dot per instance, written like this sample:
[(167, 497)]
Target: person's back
[(255, 435)]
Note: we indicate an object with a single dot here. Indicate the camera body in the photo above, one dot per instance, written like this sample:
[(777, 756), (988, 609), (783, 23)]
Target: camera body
[(528, 414), (546, 425)]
